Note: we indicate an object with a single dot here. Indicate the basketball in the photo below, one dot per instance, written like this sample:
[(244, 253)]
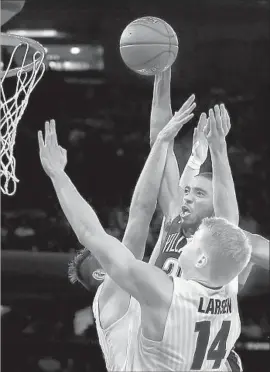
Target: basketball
[(148, 45)]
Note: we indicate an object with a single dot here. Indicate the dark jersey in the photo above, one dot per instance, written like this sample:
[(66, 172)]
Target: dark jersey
[(171, 249)]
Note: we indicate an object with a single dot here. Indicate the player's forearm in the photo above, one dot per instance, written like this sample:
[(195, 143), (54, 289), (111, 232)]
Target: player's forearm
[(161, 112), (192, 169), (225, 202), (169, 190), (146, 191), (156, 251), (78, 212)]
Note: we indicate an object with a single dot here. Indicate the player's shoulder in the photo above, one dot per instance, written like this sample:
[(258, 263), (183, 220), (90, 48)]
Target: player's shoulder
[(183, 287), (232, 287)]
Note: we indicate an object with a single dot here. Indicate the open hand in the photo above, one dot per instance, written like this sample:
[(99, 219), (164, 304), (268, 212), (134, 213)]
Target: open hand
[(180, 118), (217, 128), (52, 156), (200, 144)]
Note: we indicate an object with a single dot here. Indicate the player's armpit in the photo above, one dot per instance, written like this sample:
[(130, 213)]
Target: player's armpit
[(260, 250)]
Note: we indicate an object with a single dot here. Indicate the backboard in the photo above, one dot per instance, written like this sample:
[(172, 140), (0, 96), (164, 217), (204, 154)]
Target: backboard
[(9, 8)]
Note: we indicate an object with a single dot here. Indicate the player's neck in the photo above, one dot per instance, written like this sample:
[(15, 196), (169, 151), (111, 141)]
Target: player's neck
[(188, 232), (205, 283)]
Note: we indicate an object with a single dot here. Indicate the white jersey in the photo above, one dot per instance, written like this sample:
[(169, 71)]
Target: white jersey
[(201, 328), (116, 339)]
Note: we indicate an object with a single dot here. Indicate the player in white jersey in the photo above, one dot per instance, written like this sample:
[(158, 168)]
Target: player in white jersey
[(112, 308), (217, 253)]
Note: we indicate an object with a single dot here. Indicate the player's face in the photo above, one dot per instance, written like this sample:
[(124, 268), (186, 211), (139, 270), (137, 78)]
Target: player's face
[(197, 202)]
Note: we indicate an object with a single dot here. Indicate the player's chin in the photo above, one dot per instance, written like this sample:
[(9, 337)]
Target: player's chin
[(188, 219)]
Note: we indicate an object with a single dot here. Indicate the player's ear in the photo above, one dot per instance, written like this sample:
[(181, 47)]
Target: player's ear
[(201, 261)]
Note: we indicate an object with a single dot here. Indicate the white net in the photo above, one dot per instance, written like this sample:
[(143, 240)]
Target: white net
[(13, 105)]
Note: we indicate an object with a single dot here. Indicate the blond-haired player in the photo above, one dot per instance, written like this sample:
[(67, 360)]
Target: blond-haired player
[(161, 312)]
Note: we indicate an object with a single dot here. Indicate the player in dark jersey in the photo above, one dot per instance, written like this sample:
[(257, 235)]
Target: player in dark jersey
[(196, 191), (186, 202)]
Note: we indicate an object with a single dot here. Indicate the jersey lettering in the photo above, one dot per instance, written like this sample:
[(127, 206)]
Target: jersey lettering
[(171, 267), (217, 350)]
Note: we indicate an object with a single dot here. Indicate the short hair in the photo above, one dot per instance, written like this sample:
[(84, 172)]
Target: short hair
[(208, 175), (228, 247)]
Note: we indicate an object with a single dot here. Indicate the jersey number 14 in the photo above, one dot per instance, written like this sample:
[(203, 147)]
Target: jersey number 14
[(216, 351)]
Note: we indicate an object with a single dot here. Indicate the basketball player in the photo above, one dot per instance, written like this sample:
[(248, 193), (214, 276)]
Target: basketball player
[(175, 200), (188, 323), (137, 229), (184, 207)]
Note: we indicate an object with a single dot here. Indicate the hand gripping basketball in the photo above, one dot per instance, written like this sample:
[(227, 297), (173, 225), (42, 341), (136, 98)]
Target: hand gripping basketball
[(181, 117), (52, 156)]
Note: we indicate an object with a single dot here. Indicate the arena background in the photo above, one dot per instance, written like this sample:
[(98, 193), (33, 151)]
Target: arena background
[(102, 117)]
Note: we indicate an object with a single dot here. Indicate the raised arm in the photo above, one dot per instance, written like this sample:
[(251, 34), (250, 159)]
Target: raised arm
[(114, 257), (145, 195), (171, 190), (225, 202), (198, 153), (80, 214), (161, 112)]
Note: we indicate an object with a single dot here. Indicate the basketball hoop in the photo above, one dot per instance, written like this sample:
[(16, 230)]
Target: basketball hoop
[(13, 105)]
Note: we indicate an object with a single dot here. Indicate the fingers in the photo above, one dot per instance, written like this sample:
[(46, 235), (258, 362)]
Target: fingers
[(50, 133), (195, 135), (182, 113), (40, 140), (206, 129), (212, 122), (53, 132), (218, 119), (188, 102), (225, 119), (202, 122), (47, 134), (184, 120)]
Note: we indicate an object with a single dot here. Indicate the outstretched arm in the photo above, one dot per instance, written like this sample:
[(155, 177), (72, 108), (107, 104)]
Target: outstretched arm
[(130, 274), (161, 112), (171, 190), (225, 202), (80, 215)]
